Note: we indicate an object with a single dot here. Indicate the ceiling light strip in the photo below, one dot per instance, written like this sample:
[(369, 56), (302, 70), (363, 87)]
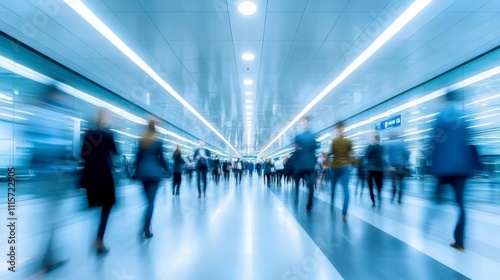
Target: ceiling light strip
[(31, 74), (414, 9), (102, 28)]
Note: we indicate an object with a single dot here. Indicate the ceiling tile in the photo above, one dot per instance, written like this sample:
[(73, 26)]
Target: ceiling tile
[(140, 25), (304, 49), (203, 49), (276, 49), (281, 26), (316, 26), (326, 5), (286, 5), (124, 6), (350, 26)]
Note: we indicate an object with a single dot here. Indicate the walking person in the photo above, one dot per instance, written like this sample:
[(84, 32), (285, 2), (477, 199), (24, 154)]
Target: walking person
[(49, 160), (226, 168), (453, 158), (216, 169), (268, 165), (190, 167), (361, 168), (151, 167), (375, 166), (97, 176), (178, 164), (238, 170), (341, 150), (305, 147), (398, 157), (201, 155)]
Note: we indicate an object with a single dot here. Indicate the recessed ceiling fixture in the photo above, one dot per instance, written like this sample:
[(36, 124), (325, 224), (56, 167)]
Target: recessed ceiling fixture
[(248, 92), (102, 28), (248, 82), (413, 10), (248, 56), (249, 113), (247, 8), (249, 101), (249, 106)]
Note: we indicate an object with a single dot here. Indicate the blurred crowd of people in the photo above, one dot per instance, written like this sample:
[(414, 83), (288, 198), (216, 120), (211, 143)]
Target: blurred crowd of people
[(452, 160)]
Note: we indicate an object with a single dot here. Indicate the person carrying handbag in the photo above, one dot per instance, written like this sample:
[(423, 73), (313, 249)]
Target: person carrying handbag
[(150, 169)]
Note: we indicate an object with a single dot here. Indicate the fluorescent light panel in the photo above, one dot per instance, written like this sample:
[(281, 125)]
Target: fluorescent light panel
[(415, 8), (102, 28)]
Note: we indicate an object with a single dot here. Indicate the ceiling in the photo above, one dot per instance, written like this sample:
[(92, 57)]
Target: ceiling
[(300, 46)]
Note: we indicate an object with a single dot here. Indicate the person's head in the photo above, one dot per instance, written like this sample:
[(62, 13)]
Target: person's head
[(102, 118), (304, 122), (216, 156), (376, 137), (149, 135), (202, 144), (178, 148), (454, 95), (340, 127)]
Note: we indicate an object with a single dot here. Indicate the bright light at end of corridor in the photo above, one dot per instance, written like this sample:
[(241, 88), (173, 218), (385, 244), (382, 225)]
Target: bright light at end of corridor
[(247, 8)]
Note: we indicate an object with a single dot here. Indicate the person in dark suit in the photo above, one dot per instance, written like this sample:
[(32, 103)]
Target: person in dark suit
[(305, 162), (97, 177), (178, 163), (453, 159), (151, 167), (201, 155)]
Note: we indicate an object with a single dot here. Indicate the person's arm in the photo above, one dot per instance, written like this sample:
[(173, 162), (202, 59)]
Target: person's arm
[(112, 145)]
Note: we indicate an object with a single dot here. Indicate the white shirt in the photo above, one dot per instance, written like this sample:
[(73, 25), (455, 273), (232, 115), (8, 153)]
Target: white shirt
[(279, 165)]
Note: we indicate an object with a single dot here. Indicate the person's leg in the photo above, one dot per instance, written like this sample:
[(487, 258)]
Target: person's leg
[(204, 173), (458, 184), (105, 211), (394, 179), (150, 189), (345, 185), (370, 186), (174, 183), (334, 175), (379, 177), (198, 180), (401, 187), (309, 177)]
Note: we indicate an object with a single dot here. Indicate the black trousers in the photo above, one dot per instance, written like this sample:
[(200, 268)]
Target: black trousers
[(105, 211), (268, 178), (309, 177), (150, 188), (177, 182), (458, 185), (238, 174), (226, 175), (201, 174), (377, 177)]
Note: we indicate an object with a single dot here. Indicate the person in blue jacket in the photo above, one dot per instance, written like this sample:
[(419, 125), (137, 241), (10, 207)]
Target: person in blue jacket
[(453, 159)]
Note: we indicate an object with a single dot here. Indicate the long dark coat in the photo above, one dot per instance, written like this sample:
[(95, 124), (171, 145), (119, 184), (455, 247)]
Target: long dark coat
[(97, 176)]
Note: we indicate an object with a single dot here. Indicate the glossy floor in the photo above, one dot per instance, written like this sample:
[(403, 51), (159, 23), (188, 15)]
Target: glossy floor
[(250, 231)]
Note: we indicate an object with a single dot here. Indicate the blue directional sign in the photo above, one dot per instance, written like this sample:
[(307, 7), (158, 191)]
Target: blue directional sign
[(390, 123)]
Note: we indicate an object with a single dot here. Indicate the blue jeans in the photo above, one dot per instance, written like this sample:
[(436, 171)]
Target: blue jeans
[(341, 174)]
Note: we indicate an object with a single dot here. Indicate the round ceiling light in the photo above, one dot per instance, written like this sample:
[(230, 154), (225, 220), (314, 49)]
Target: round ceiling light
[(249, 107), (249, 101), (247, 56), (248, 82), (248, 92), (247, 8)]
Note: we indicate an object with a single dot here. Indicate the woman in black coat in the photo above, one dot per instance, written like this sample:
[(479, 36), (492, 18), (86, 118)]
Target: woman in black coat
[(97, 177), (178, 164), (151, 167)]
